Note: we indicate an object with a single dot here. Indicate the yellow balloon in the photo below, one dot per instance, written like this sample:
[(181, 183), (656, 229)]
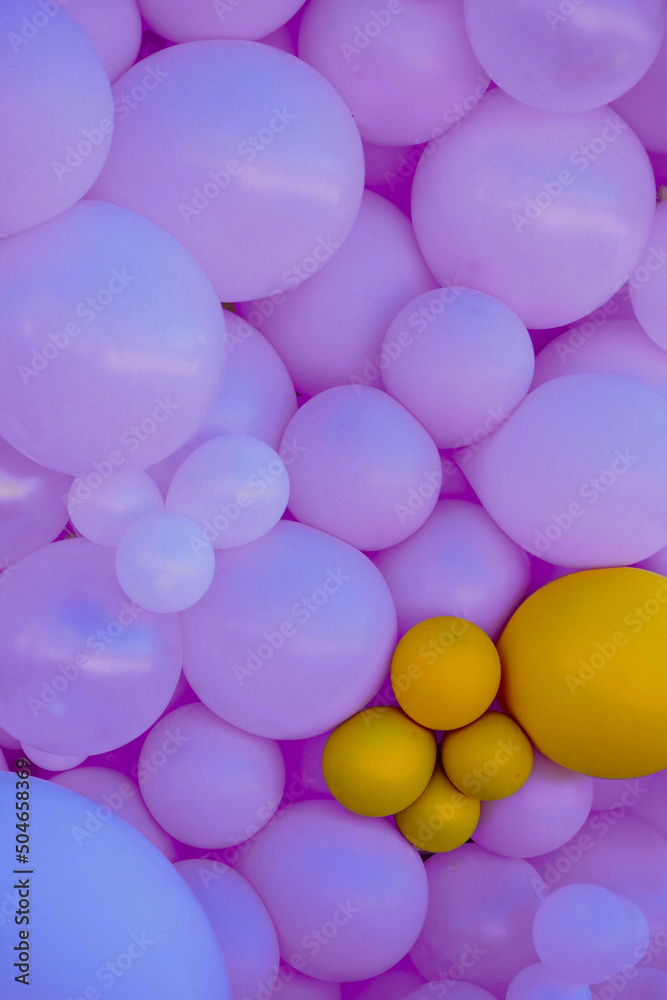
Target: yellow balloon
[(489, 759), (585, 671), (445, 672), (441, 819), (379, 761)]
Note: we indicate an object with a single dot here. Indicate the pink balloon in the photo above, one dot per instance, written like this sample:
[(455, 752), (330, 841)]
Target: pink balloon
[(646, 798), (33, 507), (535, 982), (455, 991), (294, 635), (83, 670), (364, 469), (191, 20), (479, 920), (640, 106), (347, 894), (623, 794), (458, 563), (103, 511), (650, 296), (114, 28), (329, 329), (523, 204), (260, 191), (636, 984)]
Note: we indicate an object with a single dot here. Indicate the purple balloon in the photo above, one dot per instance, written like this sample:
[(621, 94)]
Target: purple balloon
[(261, 167), (390, 171), (453, 991), (623, 794), (458, 563), (479, 920), (33, 508), (636, 984), (535, 982), (102, 510), (329, 330), (114, 28), (294, 636), (363, 470), (640, 106), (84, 670), (394, 984), (646, 798), (295, 986), (347, 893), (523, 204), (190, 20), (649, 298), (51, 761)]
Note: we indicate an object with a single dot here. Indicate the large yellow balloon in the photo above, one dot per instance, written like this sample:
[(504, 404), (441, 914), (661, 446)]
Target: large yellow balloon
[(584, 663)]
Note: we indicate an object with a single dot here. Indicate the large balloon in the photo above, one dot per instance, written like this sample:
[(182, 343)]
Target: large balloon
[(260, 163), (114, 350), (57, 115), (640, 106), (650, 296), (547, 212), (127, 922), (114, 28), (33, 504), (83, 669), (189, 20), (535, 982), (346, 893), (103, 511), (294, 635)]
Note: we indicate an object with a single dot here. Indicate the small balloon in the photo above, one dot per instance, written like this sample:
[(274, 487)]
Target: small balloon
[(188, 21), (535, 982), (114, 28), (102, 510)]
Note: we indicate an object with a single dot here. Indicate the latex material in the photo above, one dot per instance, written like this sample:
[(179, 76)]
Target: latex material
[(114, 28), (491, 758), (103, 510), (32, 504), (185, 21)]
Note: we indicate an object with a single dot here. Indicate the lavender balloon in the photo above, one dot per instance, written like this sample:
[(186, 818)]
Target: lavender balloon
[(535, 982), (102, 510), (264, 171), (621, 795), (295, 986), (32, 506), (640, 106), (84, 670), (650, 296), (114, 28), (454, 991), (637, 984), (646, 798), (189, 20)]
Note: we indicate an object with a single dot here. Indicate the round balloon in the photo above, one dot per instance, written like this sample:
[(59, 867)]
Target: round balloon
[(441, 819), (50, 761), (490, 759), (640, 105), (103, 511), (650, 295), (114, 28), (535, 982), (33, 504), (188, 21)]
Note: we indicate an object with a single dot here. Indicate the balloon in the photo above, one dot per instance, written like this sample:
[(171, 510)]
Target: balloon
[(583, 671), (310, 763), (3, 762), (207, 783), (584, 933), (578, 474), (390, 170), (7, 741), (535, 982), (445, 672), (294, 986), (640, 105), (455, 991), (459, 563), (264, 171), (83, 670), (188, 21), (490, 759), (406, 71), (646, 799), (114, 28), (114, 794), (346, 893), (460, 362), (441, 819), (609, 793), (363, 470), (547, 212), (114, 351), (649, 296), (379, 761), (102, 510), (234, 487), (130, 923), (246, 936), (294, 636), (637, 984), (548, 809), (49, 761), (567, 58), (395, 984), (329, 330), (458, 939), (32, 504), (57, 115)]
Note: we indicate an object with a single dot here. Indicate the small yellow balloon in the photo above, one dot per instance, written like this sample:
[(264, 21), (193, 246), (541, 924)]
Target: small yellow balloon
[(442, 818), (445, 672), (489, 759), (379, 761)]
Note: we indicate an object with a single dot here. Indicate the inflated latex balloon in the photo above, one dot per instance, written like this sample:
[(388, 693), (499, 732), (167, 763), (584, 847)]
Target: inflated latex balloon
[(490, 759), (395, 984), (346, 893), (458, 939), (83, 670), (650, 296), (578, 473), (207, 783), (583, 671), (379, 761), (164, 562), (132, 926), (445, 672), (460, 361), (646, 799), (113, 794), (264, 171), (363, 469), (50, 761), (234, 487), (620, 347), (188, 21), (8, 742), (459, 563), (640, 106), (441, 819), (637, 984), (103, 509), (33, 510), (114, 351), (390, 171), (294, 636), (329, 329), (57, 116), (547, 212), (406, 71), (567, 57), (584, 933), (295, 986), (246, 936), (535, 982), (455, 991), (656, 563), (114, 28), (551, 805), (619, 795)]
